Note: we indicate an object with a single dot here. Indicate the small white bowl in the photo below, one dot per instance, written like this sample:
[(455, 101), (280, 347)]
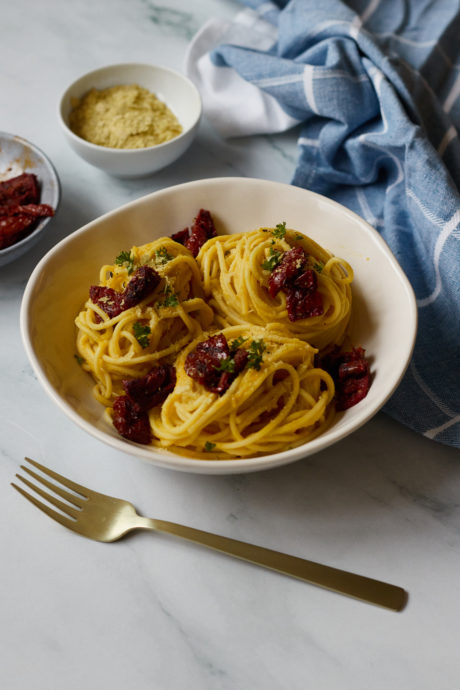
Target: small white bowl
[(384, 319), (17, 156), (179, 94)]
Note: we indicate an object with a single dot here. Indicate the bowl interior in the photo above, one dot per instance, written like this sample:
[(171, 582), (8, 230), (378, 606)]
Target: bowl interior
[(17, 155), (384, 314), (178, 92)]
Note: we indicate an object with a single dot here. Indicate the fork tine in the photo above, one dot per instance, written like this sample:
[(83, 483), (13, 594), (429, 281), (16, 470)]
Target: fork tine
[(67, 522), (65, 507), (72, 498), (78, 488)]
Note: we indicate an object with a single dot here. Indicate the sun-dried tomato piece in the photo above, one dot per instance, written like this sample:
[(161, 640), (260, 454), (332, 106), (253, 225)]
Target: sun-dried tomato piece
[(308, 280), (201, 231), (108, 299), (351, 374), (300, 285), (196, 240), (14, 228), (240, 358), (152, 389), (181, 236), (215, 347), (223, 382), (353, 368), (143, 282), (22, 189), (131, 420), (211, 364), (202, 363), (280, 375), (302, 304), (290, 266), (34, 210)]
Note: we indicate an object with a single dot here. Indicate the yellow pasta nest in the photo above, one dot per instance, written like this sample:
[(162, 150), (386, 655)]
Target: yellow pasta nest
[(279, 406), (280, 402), (236, 284), (174, 314)]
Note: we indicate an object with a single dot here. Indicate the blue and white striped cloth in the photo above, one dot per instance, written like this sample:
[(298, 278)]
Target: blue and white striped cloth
[(376, 86)]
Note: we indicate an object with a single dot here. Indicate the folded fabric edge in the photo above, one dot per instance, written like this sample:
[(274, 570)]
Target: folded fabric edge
[(226, 95)]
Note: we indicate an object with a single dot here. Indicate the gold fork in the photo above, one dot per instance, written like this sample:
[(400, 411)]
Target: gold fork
[(107, 519)]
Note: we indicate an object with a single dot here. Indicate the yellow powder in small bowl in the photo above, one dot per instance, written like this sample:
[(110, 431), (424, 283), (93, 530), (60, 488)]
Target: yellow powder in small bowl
[(123, 117)]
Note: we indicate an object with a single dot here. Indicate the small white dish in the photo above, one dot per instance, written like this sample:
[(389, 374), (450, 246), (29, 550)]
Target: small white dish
[(384, 319), (17, 156), (179, 94)]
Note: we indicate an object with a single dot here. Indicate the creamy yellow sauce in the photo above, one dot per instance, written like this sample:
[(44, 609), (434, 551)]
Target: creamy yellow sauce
[(123, 117)]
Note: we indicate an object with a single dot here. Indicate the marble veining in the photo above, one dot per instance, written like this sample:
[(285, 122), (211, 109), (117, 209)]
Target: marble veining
[(152, 612)]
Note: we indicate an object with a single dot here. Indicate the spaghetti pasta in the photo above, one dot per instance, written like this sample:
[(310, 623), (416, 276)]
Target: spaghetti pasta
[(236, 272), (225, 346), (281, 405), (174, 314)]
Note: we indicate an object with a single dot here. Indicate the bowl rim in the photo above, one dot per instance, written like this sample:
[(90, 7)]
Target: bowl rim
[(125, 152), (57, 194), (237, 465)]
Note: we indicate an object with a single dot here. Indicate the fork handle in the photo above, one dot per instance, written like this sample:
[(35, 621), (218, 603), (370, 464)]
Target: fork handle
[(357, 586)]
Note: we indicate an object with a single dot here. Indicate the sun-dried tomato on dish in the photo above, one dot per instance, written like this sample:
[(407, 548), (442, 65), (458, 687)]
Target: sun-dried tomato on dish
[(14, 228), (143, 282), (287, 270), (131, 420), (108, 299), (22, 189), (299, 283), (19, 208), (130, 411), (200, 232), (351, 374), (302, 303), (33, 210), (213, 365), (153, 388)]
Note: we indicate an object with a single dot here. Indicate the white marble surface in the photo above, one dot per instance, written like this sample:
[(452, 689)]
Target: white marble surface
[(150, 612)]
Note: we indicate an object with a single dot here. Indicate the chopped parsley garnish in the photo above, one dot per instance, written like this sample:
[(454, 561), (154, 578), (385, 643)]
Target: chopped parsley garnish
[(255, 352), (141, 333), (226, 365), (79, 359), (280, 231), (274, 257), (235, 344), (162, 256), (208, 446), (318, 267), (124, 258), (170, 297), (298, 237)]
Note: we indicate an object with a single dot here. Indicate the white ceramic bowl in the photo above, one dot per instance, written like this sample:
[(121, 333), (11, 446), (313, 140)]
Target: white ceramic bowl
[(384, 313), (17, 155), (179, 94)]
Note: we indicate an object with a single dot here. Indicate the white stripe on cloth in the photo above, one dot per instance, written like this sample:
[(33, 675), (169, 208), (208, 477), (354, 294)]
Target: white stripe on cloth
[(447, 229), (454, 418), (432, 433), (370, 9), (365, 209), (308, 75), (278, 80), (454, 93), (449, 136)]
